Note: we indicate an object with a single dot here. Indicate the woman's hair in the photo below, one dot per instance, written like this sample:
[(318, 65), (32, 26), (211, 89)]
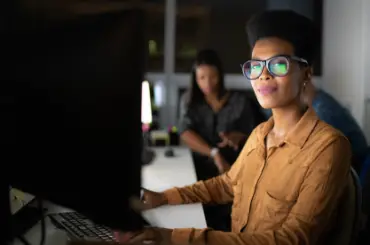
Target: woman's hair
[(205, 57), (287, 25)]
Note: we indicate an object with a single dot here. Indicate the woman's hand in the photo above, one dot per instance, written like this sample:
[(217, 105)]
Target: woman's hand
[(232, 139), (149, 235), (153, 199), (222, 165), (152, 235)]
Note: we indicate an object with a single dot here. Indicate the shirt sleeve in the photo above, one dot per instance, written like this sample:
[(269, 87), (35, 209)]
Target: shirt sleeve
[(187, 117), (308, 218), (215, 190)]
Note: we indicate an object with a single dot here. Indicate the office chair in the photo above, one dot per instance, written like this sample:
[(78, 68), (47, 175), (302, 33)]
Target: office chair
[(365, 168), (349, 213)]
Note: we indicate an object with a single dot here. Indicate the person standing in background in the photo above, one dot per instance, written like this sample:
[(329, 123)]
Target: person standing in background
[(364, 237), (332, 112), (214, 124)]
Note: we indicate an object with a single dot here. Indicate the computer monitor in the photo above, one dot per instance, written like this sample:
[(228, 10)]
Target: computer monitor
[(70, 94)]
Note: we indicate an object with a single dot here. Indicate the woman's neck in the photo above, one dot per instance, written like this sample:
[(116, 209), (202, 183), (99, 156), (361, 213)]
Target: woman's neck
[(286, 118), (213, 96), (215, 102)]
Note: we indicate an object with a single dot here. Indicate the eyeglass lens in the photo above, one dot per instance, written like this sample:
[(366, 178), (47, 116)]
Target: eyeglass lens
[(277, 66)]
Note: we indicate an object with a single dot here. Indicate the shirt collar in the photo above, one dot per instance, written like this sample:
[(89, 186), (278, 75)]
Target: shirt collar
[(297, 136)]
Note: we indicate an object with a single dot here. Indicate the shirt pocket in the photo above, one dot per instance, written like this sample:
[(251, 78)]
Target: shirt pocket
[(287, 183), (275, 209)]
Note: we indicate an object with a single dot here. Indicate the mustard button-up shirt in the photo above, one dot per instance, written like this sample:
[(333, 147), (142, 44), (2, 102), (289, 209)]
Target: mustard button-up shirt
[(287, 194)]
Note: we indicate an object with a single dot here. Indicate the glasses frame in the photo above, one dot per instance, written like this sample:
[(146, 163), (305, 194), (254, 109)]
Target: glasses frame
[(265, 63)]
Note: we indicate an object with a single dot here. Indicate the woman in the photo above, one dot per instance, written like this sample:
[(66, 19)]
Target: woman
[(287, 182), (215, 125), (215, 122)]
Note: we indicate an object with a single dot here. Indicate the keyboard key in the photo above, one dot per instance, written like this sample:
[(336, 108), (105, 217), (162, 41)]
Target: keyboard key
[(80, 227)]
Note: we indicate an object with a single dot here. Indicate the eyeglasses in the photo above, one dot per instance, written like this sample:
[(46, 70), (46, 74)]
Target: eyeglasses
[(277, 66)]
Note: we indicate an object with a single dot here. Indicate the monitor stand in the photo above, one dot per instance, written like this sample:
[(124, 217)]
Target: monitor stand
[(169, 152), (147, 154)]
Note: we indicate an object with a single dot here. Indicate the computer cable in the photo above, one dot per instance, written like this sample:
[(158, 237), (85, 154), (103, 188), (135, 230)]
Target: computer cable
[(43, 226), (23, 240)]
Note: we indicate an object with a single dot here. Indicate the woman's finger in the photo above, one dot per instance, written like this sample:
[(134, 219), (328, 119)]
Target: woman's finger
[(222, 144), (147, 237), (144, 189), (123, 237), (138, 205)]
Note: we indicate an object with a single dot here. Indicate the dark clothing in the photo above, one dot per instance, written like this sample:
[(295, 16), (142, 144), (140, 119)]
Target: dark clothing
[(217, 216), (240, 114), (332, 112), (366, 194), (364, 237)]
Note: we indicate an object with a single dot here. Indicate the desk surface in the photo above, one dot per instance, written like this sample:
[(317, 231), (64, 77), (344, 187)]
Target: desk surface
[(167, 172), (162, 174)]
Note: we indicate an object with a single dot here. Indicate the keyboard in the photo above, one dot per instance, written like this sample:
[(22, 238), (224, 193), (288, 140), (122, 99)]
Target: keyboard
[(79, 227)]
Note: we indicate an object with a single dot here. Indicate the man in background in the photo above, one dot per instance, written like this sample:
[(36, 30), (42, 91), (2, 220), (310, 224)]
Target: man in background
[(332, 112), (364, 238)]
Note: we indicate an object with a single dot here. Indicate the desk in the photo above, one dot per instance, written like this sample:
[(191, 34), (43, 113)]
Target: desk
[(167, 172), (162, 174)]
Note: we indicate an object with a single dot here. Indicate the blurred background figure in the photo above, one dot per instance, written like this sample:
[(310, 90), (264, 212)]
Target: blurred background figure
[(332, 112), (214, 124)]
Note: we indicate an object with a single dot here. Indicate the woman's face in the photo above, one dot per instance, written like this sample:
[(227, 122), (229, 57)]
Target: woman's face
[(272, 91), (207, 79)]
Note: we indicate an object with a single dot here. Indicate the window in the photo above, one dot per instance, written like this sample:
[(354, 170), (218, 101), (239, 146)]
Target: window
[(215, 24), (155, 32), (220, 25)]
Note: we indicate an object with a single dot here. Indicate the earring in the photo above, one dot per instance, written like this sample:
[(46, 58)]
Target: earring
[(304, 85)]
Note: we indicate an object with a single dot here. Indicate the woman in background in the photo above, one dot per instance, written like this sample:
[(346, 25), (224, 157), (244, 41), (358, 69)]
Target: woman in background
[(215, 124)]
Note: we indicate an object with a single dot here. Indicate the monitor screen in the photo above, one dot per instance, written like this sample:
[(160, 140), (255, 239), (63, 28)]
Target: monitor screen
[(71, 91)]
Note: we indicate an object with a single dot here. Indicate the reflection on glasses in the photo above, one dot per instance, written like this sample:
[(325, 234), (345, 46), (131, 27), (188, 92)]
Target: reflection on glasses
[(277, 66)]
